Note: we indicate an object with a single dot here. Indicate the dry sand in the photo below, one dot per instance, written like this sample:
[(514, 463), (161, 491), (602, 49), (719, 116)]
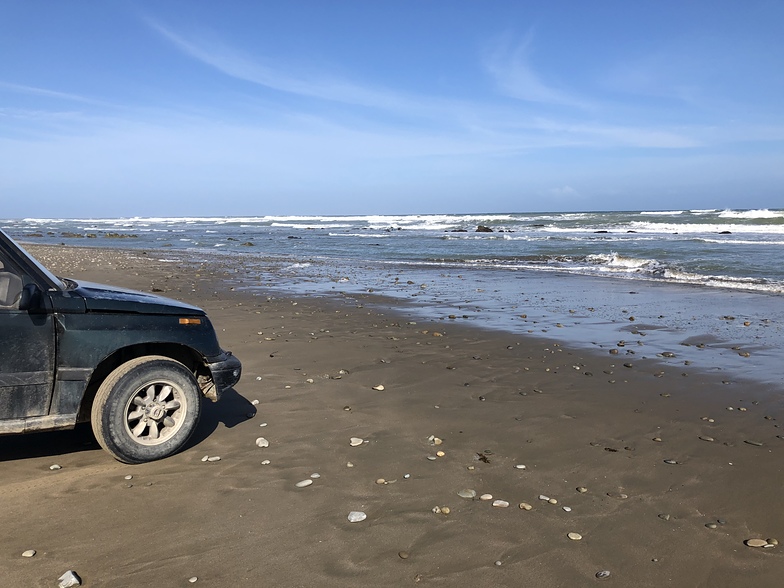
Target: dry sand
[(574, 418)]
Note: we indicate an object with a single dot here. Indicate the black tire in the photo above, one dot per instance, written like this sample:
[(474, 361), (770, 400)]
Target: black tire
[(146, 409)]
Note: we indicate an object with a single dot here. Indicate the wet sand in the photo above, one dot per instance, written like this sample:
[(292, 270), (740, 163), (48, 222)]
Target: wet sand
[(606, 423)]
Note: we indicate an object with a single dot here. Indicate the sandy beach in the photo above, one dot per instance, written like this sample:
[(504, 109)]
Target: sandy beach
[(658, 472)]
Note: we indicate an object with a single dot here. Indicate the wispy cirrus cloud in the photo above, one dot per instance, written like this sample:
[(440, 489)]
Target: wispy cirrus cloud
[(508, 62), (233, 62), (34, 91)]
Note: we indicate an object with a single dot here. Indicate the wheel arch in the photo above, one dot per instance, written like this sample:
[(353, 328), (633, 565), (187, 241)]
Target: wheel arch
[(183, 354)]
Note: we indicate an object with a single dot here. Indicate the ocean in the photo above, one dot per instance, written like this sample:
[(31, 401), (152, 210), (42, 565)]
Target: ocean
[(707, 283)]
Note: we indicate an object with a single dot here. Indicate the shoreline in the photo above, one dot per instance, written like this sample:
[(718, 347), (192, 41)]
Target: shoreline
[(496, 399)]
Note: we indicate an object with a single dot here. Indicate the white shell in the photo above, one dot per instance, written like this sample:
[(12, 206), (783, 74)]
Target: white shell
[(262, 442)]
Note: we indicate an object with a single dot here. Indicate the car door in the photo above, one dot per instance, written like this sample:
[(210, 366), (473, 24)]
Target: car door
[(27, 349)]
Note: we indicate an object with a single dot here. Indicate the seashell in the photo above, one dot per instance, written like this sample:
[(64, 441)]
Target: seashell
[(380, 387), (262, 442), (356, 441)]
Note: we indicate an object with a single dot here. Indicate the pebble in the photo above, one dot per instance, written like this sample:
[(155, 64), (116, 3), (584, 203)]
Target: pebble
[(403, 554), (498, 562), (525, 506), (566, 509), (467, 493), (520, 466), (712, 525), (29, 553), (304, 483), (582, 489), (773, 541), (55, 467), (349, 464), (552, 501), (315, 476), (664, 516), (543, 497), (205, 458), (379, 388), (406, 476), (129, 477), (440, 453), (356, 441), (356, 516), (262, 442), (381, 481), (266, 462), (756, 542), (706, 438), (670, 462), (603, 574), (619, 495), (432, 457), (214, 458), (575, 536), (657, 439), (486, 497), (254, 402), (193, 579), (500, 503)]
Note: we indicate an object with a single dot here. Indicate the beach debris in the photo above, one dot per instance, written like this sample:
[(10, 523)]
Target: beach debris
[(657, 439), (68, 579), (525, 506), (262, 442), (482, 457), (254, 402), (356, 516), (29, 553), (304, 483), (467, 493), (706, 438), (754, 443), (671, 462), (582, 489), (664, 516), (500, 504), (379, 388), (618, 495), (574, 536), (55, 466), (603, 574), (356, 441), (435, 440)]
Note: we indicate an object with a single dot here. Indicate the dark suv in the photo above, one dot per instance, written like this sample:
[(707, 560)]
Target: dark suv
[(134, 364)]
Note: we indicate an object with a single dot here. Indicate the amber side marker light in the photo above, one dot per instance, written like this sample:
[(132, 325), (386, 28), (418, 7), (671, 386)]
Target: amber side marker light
[(190, 321)]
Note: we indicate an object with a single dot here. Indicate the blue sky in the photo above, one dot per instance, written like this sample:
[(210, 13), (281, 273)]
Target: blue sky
[(196, 107)]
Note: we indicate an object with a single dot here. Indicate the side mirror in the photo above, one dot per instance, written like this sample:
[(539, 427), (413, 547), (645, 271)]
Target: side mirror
[(30, 297)]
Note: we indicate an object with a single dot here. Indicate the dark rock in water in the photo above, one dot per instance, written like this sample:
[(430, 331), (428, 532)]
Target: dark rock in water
[(247, 244), (601, 231), (293, 237), (232, 239), (538, 226), (630, 231), (458, 231), (483, 229), (725, 232)]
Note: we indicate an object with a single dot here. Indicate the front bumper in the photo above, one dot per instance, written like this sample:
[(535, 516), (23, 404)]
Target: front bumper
[(226, 371)]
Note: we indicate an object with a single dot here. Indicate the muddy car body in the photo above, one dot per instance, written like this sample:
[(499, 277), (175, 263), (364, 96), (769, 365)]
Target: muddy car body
[(133, 364)]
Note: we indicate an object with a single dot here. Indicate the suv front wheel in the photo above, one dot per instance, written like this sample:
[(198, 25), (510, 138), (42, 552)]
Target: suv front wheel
[(146, 409)]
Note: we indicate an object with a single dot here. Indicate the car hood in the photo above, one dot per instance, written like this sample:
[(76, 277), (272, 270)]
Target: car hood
[(101, 298)]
